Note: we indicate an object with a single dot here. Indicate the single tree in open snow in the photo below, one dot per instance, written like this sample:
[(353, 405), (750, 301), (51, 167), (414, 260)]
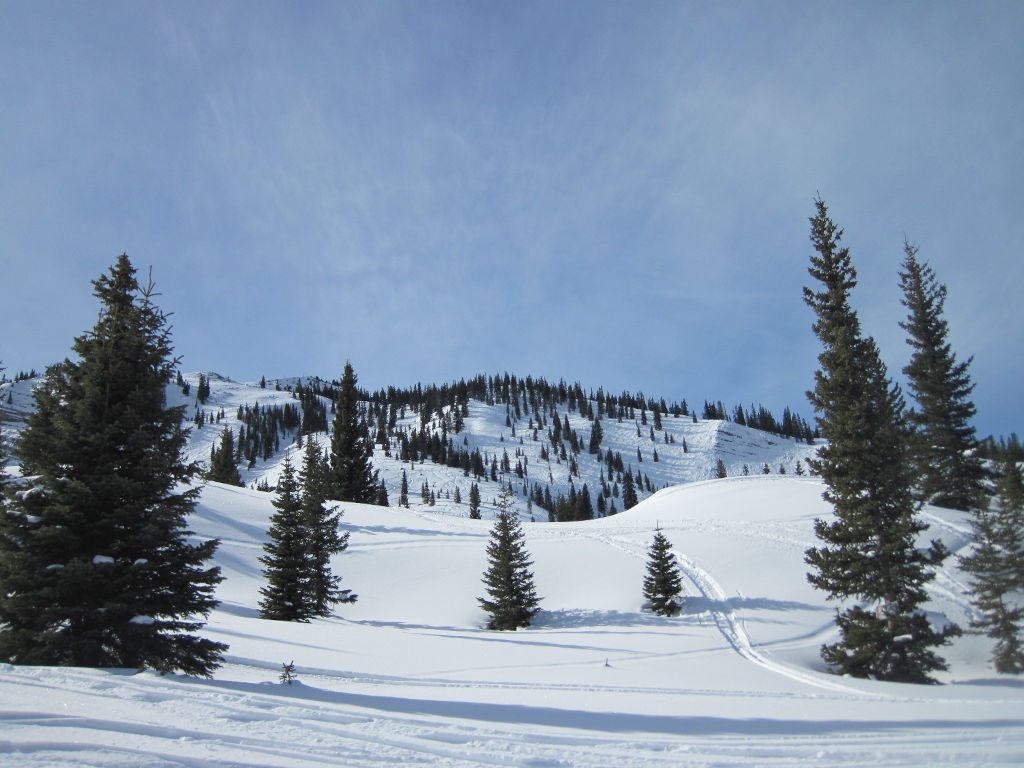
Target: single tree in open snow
[(511, 597), (662, 583)]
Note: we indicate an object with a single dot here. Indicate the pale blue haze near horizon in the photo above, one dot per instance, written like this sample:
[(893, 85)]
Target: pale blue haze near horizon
[(615, 193)]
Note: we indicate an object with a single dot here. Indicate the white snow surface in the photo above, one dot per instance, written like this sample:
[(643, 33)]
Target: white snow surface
[(408, 675)]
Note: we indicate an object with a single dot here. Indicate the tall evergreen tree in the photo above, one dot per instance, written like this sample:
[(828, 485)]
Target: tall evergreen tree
[(868, 551), (629, 497), (324, 540), (662, 584), (287, 596), (511, 597), (96, 564), (996, 568), (352, 478), (474, 501), (945, 445), (203, 390), (403, 493), (223, 468), (596, 435)]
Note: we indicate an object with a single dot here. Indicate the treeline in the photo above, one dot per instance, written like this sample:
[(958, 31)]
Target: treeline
[(1002, 450)]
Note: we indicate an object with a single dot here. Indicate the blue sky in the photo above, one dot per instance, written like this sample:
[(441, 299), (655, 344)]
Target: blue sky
[(615, 193)]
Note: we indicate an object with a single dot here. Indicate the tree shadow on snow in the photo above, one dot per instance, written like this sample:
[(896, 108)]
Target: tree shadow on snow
[(607, 722), (578, 618), (701, 604)]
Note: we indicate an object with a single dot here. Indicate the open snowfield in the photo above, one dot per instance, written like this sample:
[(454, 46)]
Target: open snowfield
[(408, 676)]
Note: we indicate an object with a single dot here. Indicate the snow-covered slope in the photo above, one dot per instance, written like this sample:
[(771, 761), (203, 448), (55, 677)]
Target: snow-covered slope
[(407, 675), (696, 447)]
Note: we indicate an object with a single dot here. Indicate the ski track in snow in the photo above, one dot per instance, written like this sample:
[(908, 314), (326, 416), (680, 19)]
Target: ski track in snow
[(730, 627)]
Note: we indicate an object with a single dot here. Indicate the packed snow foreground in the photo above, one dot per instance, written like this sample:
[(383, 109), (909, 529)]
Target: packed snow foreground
[(408, 674)]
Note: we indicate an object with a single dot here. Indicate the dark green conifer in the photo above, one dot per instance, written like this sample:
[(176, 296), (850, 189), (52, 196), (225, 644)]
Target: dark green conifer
[(403, 493), (629, 498), (596, 435), (352, 478), (720, 470), (223, 468), (287, 560), (868, 552), (203, 390), (97, 567), (662, 584), (944, 446), (324, 540), (474, 501), (511, 597), (996, 568)]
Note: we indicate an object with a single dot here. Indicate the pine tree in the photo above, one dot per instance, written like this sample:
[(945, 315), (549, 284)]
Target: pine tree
[(403, 493), (352, 478), (381, 499), (662, 584), (945, 445), (223, 468), (868, 552), (323, 539), (996, 567), (203, 390), (96, 564), (596, 435), (511, 597), (287, 595), (629, 498), (474, 501)]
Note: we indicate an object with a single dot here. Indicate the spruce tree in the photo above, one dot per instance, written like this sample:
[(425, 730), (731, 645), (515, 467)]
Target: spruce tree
[(352, 479), (223, 468), (596, 435), (474, 501), (629, 497), (403, 493), (287, 595), (720, 471), (96, 564), (944, 448), (662, 584), (511, 597), (868, 551), (996, 568), (323, 540)]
